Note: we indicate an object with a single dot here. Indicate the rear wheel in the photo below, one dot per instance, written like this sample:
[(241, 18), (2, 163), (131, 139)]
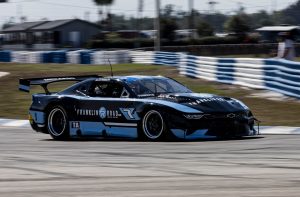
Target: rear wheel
[(153, 126), (57, 123)]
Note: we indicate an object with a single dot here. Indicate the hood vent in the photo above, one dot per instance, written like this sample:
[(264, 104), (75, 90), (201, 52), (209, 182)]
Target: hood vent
[(179, 99)]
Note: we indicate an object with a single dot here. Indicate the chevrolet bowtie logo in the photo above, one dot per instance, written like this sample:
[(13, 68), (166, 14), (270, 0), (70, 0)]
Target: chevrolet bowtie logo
[(231, 115)]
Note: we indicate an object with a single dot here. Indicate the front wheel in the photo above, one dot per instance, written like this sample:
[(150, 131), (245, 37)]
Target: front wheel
[(153, 126), (57, 123)]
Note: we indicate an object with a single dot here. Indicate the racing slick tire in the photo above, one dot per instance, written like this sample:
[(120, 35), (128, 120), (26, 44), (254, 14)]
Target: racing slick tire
[(153, 127), (57, 123)]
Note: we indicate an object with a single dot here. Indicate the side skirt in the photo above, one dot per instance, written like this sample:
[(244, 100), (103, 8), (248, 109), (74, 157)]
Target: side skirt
[(106, 129)]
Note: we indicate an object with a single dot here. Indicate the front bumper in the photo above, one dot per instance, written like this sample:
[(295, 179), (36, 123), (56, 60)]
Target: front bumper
[(224, 125)]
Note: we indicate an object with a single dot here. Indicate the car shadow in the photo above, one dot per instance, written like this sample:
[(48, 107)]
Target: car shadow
[(135, 140)]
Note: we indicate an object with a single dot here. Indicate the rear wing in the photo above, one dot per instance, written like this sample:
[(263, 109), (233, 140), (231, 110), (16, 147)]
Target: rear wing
[(24, 84)]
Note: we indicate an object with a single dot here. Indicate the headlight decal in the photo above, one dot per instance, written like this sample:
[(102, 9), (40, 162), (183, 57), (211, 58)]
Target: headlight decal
[(193, 116)]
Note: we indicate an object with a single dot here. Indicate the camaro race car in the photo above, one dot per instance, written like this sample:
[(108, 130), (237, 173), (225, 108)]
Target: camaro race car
[(145, 107)]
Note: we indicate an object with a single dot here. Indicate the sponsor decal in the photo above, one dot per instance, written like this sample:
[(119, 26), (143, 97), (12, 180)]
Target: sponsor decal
[(60, 78), (113, 114), (102, 113), (75, 125), (129, 113), (87, 112), (147, 95), (103, 79)]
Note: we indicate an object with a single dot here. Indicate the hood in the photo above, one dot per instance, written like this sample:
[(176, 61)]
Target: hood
[(207, 103)]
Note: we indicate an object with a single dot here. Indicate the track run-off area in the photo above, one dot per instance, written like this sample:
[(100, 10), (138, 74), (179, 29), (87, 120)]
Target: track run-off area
[(33, 164)]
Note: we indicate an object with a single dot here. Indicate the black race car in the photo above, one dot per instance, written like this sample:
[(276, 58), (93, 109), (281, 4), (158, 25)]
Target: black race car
[(145, 107)]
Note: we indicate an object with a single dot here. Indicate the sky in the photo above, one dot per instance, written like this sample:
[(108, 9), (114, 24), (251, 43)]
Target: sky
[(85, 9)]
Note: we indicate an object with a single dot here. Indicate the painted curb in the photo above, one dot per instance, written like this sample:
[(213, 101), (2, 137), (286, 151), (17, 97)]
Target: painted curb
[(264, 130), (14, 123), (279, 130), (2, 74)]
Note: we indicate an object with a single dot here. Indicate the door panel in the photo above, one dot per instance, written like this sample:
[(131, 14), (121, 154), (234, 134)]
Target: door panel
[(114, 115), (106, 114)]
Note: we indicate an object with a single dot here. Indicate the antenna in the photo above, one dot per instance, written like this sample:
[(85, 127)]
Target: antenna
[(111, 70), (107, 58)]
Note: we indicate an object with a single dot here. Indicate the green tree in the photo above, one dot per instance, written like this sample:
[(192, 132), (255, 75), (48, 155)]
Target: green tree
[(168, 27), (168, 11), (101, 4), (205, 29), (291, 14), (104, 2), (260, 19), (237, 24), (168, 23)]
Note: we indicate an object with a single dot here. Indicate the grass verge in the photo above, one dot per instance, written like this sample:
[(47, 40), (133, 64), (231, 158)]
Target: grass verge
[(14, 104)]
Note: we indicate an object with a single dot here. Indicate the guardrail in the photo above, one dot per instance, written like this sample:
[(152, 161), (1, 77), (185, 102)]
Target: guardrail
[(273, 74), (63, 56), (158, 58)]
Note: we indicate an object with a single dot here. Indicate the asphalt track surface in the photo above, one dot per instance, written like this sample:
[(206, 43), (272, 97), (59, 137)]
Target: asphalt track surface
[(32, 164)]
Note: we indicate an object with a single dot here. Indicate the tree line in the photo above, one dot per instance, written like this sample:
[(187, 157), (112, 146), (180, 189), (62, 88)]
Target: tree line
[(206, 23)]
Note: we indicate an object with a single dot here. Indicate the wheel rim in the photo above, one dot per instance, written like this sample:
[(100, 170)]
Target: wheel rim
[(57, 122), (153, 124)]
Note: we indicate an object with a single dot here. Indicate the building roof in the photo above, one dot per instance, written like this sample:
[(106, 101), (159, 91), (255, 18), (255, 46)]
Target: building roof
[(52, 24), (278, 28), (23, 26), (42, 25)]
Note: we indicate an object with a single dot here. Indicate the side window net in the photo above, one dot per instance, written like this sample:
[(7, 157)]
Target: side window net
[(107, 89)]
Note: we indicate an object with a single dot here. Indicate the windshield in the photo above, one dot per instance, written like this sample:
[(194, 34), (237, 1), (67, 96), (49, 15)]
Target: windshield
[(155, 86)]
